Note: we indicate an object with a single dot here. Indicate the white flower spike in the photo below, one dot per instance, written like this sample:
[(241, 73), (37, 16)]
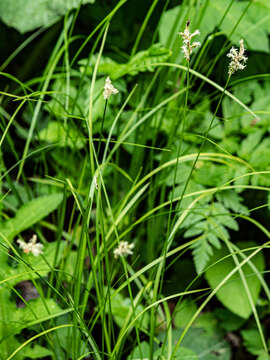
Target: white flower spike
[(31, 247), (187, 37), (123, 249), (109, 89), (238, 59)]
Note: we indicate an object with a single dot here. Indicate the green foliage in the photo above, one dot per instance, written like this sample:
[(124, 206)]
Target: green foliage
[(233, 294), (122, 309), (253, 344), (210, 223), (141, 62), (37, 266), (13, 320), (228, 320), (184, 312), (27, 15), (256, 36), (204, 345), (141, 352), (30, 213), (62, 135), (134, 193)]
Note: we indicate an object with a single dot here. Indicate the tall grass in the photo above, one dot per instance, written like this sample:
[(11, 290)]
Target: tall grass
[(93, 305)]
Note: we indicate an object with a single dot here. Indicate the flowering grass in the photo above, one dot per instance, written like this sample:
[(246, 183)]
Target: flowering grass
[(140, 184)]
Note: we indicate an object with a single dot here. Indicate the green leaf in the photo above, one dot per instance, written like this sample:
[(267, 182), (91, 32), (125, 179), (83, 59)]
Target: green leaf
[(121, 308), (211, 222), (36, 312), (36, 352), (250, 144), (232, 200), (141, 352), (253, 343), (31, 213), (233, 294), (27, 15), (204, 345), (144, 60), (141, 62), (184, 312), (56, 132), (253, 27), (255, 36), (228, 320), (13, 320)]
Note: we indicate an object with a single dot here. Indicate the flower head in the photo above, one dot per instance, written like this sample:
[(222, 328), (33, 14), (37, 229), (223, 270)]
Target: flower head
[(31, 247), (123, 249), (187, 37), (238, 59), (109, 89)]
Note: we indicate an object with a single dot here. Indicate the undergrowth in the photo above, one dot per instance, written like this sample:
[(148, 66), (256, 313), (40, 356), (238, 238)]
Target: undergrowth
[(134, 181)]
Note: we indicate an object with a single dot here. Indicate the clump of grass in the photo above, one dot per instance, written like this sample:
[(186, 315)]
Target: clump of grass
[(113, 197)]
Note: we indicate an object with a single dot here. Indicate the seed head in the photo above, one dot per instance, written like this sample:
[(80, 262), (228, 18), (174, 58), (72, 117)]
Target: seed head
[(238, 59), (188, 46), (123, 249), (109, 89), (31, 247)]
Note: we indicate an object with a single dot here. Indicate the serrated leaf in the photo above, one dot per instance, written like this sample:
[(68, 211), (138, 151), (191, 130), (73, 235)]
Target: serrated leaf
[(250, 143), (215, 219), (201, 252), (233, 294), (232, 200), (31, 213), (27, 15), (141, 62), (253, 343), (209, 174)]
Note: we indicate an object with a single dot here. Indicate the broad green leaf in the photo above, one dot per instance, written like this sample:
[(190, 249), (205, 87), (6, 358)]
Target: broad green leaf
[(63, 136), (184, 312), (141, 352), (121, 308), (36, 352), (27, 15), (13, 320), (233, 294), (253, 27), (35, 312), (204, 345), (31, 213), (66, 335)]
